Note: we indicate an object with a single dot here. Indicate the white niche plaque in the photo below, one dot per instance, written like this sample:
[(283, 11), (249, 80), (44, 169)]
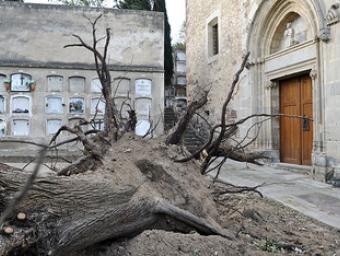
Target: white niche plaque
[(53, 125), (21, 127), (97, 106), (54, 105), (96, 86), (143, 88)]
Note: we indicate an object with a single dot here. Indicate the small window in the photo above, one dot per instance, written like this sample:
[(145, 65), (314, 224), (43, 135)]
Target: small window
[(97, 106), (181, 80), (2, 128), (55, 83), (2, 86), (21, 105), (180, 55), (21, 82), (181, 92), (21, 127), (213, 37), (53, 125), (143, 88), (77, 84), (121, 87), (96, 86), (77, 105), (181, 67), (2, 104), (54, 105)]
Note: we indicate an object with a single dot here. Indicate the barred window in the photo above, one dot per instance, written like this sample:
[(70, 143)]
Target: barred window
[(213, 37)]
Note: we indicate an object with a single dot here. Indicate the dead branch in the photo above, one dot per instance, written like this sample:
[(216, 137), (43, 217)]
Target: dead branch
[(176, 136), (111, 123), (214, 147), (237, 189)]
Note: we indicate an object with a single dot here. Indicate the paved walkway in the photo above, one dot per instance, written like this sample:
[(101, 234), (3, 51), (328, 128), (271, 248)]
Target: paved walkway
[(298, 191)]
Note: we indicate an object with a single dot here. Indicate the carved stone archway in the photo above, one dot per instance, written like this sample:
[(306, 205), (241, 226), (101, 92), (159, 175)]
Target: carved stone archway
[(267, 68)]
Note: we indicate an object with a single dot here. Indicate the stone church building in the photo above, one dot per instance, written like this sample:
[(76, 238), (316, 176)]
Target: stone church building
[(293, 70), (44, 85)]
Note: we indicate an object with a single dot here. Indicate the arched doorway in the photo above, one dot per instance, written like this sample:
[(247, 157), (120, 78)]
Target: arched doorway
[(285, 75)]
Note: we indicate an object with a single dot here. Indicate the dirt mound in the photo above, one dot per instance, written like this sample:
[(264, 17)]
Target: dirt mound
[(162, 243), (135, 171), (149, 165), (262, 227)]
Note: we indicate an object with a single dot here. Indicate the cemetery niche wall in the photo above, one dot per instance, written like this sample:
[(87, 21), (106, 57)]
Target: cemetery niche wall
[(42, 90)]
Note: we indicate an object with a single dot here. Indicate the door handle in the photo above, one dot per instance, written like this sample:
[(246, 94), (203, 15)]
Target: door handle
[(305, 123)]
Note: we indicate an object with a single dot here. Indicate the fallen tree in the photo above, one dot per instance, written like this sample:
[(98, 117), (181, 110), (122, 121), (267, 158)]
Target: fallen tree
[(120, 199), (76, 208), (115, 190)]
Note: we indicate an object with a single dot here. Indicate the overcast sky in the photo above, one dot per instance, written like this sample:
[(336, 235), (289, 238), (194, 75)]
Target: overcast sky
[(176, 13)]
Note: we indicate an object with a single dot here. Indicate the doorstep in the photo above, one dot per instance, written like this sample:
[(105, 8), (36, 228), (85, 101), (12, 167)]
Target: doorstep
[(301, 169)]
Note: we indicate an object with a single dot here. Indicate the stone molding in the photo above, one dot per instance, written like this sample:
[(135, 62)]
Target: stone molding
[(78, 66), (271, 85), (313, 74), (333, 14)]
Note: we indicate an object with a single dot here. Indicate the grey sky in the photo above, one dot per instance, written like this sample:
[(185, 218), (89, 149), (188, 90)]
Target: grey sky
[(176, 13)]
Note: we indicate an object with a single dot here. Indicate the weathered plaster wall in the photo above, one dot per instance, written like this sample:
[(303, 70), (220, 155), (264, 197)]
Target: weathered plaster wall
[(32, 33), (237, 19), (32, 39), (218, 71)]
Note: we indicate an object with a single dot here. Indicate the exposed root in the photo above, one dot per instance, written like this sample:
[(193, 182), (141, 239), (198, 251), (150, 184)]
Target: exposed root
[(66, 212)]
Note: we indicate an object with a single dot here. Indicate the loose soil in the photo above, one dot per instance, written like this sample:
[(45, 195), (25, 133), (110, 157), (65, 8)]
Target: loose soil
[(260, 226), (263, 227)]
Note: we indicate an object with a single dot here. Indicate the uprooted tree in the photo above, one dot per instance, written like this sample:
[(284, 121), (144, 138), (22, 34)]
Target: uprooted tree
[(115, 190)]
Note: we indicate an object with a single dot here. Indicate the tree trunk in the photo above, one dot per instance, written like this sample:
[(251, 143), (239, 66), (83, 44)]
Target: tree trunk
[(66, 214)]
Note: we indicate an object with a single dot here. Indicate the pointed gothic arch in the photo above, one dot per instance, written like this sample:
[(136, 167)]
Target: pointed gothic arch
[(269, 63), (270, 13)]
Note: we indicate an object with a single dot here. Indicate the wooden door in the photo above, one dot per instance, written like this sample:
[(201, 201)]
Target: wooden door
[(296, 135)]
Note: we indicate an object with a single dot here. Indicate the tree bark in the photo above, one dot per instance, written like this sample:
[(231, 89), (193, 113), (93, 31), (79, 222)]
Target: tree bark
[(239, 155), (73, 213)]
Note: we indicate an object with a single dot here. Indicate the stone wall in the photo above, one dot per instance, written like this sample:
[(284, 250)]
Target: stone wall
[(252, 26), (31, 42)]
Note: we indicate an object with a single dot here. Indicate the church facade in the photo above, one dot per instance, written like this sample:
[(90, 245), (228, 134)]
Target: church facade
[(294, 50)]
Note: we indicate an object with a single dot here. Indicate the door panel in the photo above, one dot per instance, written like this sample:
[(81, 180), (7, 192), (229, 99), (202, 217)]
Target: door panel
[(289, 105), (307, 111), (296, 135)]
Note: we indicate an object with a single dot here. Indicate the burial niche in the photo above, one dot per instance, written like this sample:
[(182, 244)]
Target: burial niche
[(53, 126), (55, 83), (20, 127), (21, 105), (54, 105)]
